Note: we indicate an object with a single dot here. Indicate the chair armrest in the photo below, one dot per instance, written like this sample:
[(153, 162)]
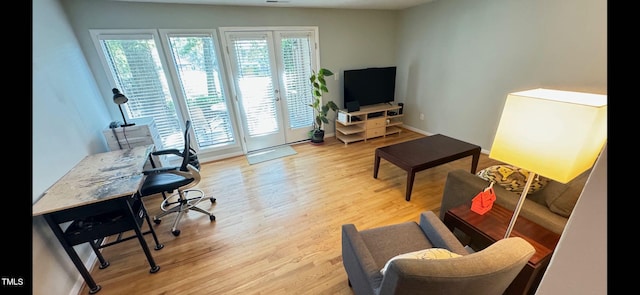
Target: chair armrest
[(159, 170), (167, 152), (489, 271), (439, 234), (355, 254)]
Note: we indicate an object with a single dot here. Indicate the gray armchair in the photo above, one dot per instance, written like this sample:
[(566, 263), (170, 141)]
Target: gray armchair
[(489, 271)]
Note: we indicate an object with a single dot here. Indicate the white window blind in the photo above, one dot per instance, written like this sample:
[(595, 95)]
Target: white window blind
[(296, 56), (135, 65), (255, 84), (200, 79)]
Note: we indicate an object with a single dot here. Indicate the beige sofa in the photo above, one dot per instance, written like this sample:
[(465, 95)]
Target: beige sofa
[(549, 207)]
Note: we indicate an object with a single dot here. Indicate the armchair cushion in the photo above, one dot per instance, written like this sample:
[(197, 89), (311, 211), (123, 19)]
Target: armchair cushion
[(433, 253)]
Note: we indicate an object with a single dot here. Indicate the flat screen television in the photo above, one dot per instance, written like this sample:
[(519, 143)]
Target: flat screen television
[(369, 86)]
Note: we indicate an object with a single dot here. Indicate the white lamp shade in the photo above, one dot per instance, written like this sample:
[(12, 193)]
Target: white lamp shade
[(556, 134)]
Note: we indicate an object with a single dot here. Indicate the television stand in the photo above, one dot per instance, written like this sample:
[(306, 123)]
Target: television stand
[(375, 115), (369, 122)]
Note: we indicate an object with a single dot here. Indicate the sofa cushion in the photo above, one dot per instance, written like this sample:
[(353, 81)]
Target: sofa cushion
[(512, 178), (563, 201), (432, 253)]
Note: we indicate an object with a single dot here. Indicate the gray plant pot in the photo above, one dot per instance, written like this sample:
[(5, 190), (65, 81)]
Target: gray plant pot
[(317, 136)]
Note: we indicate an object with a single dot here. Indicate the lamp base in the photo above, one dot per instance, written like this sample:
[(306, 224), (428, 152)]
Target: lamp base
[(127, 125)]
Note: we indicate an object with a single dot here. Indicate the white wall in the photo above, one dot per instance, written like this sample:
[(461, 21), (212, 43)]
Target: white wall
[(460, 58), (68, 116)]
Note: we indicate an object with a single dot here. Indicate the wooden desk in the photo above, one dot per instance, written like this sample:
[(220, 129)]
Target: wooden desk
[(420, 154), (104, 184), (488, 228)]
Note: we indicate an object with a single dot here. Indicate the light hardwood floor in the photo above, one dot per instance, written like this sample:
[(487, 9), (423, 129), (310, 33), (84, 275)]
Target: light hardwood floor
[(277, 228)]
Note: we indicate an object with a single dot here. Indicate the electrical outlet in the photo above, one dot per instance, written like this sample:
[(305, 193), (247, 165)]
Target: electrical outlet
[(421, 116), (335, 76)]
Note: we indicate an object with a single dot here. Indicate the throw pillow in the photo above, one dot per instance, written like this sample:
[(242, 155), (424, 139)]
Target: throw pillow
[(432, 253), (512, 178)]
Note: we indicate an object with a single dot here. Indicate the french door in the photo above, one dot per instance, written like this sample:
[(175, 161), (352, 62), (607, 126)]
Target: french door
[(270, 70)]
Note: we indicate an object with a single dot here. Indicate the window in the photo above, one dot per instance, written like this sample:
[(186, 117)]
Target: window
[(198, 71), (174, 75), (296, 59), (134, 60)]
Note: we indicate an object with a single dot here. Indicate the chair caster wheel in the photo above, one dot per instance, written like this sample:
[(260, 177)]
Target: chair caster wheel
[(176, 232), (157, 221), (212, 218), (213, 200)]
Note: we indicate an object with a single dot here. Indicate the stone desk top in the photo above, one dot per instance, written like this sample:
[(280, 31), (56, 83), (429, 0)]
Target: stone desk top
[(96, 178)]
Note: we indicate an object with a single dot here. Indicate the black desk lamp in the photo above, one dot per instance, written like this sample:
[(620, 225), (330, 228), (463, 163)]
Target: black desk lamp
[(120, 99)]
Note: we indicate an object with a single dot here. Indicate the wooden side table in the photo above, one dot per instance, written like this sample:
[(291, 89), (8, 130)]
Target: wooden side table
[(490, 227)]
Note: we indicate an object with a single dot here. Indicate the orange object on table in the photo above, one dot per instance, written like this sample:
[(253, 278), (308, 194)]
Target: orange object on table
[(483, 201)]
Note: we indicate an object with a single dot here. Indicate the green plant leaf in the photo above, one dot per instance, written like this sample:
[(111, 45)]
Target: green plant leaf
[(332, 105), (319, 86), (326, 72)]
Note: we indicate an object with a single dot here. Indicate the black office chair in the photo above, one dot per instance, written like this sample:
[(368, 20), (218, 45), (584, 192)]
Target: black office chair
[(182, 179)]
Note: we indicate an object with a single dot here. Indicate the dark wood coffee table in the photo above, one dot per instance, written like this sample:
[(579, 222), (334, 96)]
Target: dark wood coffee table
[(486, 229), (420, 154)]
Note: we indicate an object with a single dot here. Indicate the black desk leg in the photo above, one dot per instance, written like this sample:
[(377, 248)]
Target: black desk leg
[(103, 262), (93, 287), (154, 268), (153, 232)]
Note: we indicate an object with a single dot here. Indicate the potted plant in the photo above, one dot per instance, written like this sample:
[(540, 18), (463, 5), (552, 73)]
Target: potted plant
[(319, 87)]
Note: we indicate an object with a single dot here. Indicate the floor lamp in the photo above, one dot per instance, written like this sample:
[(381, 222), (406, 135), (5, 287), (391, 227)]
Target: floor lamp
[(553, 133)]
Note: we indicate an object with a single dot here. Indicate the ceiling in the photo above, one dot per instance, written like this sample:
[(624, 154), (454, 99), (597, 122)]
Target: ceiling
[(344, 4)]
